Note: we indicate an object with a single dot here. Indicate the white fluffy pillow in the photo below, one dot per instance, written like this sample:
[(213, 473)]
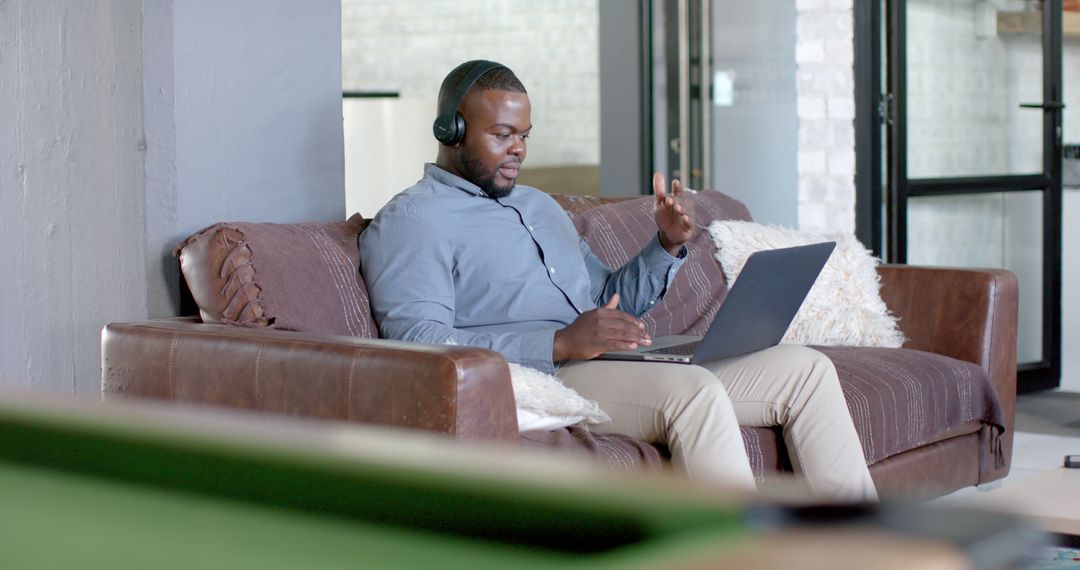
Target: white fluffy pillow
[(843, 308), (544, 403)]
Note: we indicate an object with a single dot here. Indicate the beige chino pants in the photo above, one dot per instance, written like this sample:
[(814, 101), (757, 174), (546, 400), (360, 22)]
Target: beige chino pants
[(697, 411)]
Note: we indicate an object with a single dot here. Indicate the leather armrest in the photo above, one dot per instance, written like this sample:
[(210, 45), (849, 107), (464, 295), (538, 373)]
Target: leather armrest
[(459, 391), (968, 314)]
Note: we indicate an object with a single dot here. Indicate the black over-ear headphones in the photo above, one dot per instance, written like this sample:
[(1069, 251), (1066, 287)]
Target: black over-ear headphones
[(449, 126)]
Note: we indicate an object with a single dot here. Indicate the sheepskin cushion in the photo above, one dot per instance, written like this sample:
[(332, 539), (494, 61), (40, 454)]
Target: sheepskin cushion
[(844, 308), (544, 403)]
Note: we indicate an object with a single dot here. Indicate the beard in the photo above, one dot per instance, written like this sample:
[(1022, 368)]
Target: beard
[(474, 172)]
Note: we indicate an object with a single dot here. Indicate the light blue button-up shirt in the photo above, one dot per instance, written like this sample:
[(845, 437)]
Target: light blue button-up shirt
[(445, 263)]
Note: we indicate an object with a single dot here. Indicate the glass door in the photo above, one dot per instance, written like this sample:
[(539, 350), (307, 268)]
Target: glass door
[(975, 150), (724, 92), (1070, 179)]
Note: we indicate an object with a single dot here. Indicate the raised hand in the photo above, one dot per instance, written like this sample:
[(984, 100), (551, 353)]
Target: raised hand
[(674, 214), (598, 331)]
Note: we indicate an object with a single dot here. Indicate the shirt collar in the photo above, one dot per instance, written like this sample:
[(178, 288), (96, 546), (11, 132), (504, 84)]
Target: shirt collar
[(445, 178)]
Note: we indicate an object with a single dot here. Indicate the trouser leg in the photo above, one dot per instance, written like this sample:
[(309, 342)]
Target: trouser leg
[(797, 388), (675, 404)]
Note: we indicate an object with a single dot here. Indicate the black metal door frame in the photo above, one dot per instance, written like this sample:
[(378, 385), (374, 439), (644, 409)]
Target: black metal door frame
[(878, 111)]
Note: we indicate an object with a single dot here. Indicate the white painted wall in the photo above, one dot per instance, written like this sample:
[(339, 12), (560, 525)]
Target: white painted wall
[(1070, 292), (258, 111), (621, 121), (125, 126), (1070, 250), (71, 168), (159, 175)]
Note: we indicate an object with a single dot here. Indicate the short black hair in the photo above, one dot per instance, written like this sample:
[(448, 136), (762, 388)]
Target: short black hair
[(500, 78)]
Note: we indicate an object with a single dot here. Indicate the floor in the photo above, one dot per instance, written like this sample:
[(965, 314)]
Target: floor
[(1047, 429), (1054, 412)]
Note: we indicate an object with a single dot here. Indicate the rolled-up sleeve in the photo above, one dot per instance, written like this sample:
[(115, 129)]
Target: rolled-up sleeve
[(409, 271), (641, 282)]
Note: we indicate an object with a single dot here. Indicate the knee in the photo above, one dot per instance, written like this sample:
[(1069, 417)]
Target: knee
[(703, 389), (819, 368)]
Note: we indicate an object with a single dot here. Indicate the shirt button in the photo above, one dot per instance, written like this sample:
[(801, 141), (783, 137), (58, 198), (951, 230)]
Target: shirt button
[(530, 228), (551, 270)]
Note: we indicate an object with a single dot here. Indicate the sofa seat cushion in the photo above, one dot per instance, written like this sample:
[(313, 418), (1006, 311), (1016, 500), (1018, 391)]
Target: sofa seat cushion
[(300, 277), (616, 231), (617, 451), (899, 399)]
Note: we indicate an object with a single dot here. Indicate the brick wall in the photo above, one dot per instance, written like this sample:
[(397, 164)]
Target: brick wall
[(825, 87)]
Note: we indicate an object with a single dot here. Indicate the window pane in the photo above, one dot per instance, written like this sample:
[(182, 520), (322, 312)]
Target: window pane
[(970, 65), (1070, 252), (1001, 230)]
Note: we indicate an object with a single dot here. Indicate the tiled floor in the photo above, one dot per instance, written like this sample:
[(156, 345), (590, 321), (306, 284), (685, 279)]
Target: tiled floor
[(1032, 454), (1048, 428)]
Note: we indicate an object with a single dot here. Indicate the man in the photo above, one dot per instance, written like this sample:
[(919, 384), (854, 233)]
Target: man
[(467, 256)]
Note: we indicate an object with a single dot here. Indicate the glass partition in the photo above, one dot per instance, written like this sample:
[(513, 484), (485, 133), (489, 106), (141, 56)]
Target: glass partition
[(998, 230), (970, 65)]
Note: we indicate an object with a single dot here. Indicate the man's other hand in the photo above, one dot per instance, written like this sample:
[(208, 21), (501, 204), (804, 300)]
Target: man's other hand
[(674, 215), (598, 331)]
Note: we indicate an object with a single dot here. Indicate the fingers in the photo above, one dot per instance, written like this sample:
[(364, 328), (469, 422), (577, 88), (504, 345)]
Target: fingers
[(674, 198), (601, 330), (623, 334), (658, 188), (619, 326), (665, 200), (613, 313)]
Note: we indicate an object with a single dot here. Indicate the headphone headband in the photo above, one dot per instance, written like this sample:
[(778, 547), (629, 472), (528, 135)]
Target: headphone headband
[(448, 128)]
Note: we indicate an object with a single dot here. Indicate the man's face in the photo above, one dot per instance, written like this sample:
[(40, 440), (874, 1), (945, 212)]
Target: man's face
[(497, 126)]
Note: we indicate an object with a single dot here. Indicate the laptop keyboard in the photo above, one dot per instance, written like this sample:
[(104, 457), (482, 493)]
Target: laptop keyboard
[(687, 349)]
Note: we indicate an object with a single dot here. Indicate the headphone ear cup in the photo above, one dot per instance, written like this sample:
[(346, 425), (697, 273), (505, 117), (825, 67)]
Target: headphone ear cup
[(449, 130), (443, 128), (459, 128)]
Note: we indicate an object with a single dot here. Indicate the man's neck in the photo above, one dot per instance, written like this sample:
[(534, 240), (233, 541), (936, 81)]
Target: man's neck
[(444, 162)]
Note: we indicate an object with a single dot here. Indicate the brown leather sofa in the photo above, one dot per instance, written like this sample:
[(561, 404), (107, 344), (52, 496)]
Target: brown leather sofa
[(934, 416)]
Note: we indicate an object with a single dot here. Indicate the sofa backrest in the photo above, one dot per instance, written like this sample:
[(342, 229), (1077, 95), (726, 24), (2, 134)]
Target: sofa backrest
[(304, 277), (300, 277), (617, 230)]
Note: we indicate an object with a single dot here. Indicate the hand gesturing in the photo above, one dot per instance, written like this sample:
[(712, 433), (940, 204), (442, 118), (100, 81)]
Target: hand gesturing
[(597, 331), (674, 214)]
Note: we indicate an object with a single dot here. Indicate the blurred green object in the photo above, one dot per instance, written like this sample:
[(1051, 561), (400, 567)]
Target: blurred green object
[(93, 485), (88, 485)]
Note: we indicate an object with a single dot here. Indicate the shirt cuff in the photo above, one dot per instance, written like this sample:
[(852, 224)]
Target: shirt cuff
[(534, 350), (657, 258)]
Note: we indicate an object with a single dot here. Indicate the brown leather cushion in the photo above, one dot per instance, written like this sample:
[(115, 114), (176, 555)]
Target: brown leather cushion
[(618, 230), (300, 277), (899, 399)]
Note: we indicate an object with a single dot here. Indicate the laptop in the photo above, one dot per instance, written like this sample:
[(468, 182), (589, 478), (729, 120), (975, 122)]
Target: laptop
[(755, 315)]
